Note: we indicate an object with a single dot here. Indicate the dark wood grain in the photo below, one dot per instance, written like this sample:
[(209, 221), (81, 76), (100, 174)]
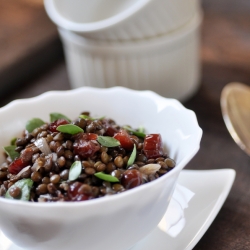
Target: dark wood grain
[(225, 58), (225, 55), (28, 43)]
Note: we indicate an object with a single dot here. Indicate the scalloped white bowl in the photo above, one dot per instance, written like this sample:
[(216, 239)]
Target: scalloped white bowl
[(113, 222)]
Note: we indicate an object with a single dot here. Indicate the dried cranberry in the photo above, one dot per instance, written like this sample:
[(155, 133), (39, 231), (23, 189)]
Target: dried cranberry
[(85, 136), (110, 130), (153, 147), (75, 195), (85, 145), (17, 165), (123, 137), (131, 178), (53, 125), (91, 136)]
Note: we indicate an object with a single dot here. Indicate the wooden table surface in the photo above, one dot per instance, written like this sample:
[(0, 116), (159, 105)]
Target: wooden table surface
[(225, 56)]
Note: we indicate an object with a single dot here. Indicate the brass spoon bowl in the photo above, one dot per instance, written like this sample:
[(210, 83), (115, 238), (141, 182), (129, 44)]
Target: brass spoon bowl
[(235, 105)]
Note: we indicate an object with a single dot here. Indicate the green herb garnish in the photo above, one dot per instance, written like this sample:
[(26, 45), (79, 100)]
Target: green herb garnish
[(132, 157), (10, 151), (75, 170), (91, 118), (13, 141), (56, 116), (141, 129), (25, 185), (108, 141), (134, 132), (34, 123), (69, 129), (106, 177)]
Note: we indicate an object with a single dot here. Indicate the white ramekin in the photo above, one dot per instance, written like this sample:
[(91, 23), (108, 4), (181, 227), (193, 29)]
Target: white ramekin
[(121, 20), (168, 65)]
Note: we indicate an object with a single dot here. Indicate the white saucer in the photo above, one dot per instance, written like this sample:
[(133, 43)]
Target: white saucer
[(210, 188)]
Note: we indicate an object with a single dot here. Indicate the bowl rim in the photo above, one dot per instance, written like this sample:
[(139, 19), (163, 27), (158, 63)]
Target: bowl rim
[(171, 40), (104, 24), (147, 93)]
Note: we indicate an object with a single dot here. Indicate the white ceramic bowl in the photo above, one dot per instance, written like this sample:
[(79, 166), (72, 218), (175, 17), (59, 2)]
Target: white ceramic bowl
[(112, 222), (121, 20), (168, 65)]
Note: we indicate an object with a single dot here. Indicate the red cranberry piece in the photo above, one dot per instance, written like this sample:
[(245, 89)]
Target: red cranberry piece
[(74, 195), (53, 125), (91, 136), (111, 131), (17, 165), (85, 136), (86, 145), (153, 147), (131, 178), (123, 137)]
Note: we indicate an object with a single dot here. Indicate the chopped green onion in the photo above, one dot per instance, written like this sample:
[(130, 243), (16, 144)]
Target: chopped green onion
[(91, 118), (106, 177), (10, 151), (25, 185), (13, 141), (132, 157), (134, 132), (56, 116), (75, 170), (108, 141), (33, 124), (69, 129)]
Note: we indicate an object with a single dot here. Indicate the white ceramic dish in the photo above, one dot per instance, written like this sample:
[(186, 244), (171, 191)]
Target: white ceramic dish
[(121, 20), (167, 65), (200, 213), (82, 221)]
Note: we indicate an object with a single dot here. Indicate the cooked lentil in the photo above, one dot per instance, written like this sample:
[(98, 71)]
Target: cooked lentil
[(14, 191), (48, 164)]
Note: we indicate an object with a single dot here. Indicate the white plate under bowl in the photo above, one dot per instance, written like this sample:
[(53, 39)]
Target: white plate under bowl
[(200, 213)]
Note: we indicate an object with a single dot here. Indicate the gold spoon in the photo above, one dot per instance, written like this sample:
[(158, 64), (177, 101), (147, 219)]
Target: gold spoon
[(235, 105)]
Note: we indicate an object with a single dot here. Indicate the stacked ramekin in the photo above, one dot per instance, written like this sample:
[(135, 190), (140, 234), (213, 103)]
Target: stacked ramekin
[(139, 44)]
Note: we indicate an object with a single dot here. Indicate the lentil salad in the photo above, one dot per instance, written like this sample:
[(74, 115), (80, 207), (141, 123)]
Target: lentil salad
[(83, 159)]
